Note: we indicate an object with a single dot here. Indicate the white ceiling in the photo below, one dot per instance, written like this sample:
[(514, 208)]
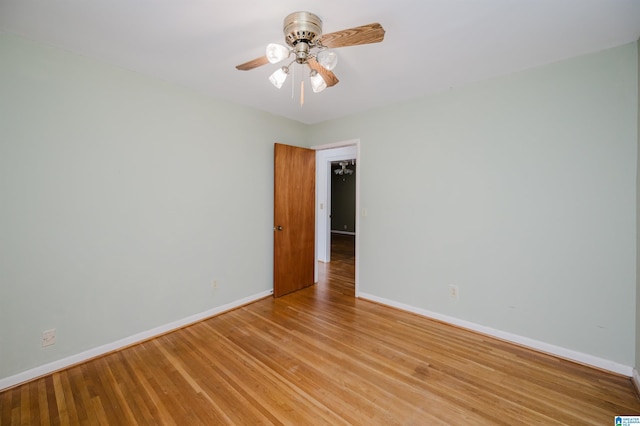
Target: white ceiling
[(429, 46)]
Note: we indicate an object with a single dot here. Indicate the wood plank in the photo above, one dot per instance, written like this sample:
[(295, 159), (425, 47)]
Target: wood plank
[(320, 356), (42, 405)]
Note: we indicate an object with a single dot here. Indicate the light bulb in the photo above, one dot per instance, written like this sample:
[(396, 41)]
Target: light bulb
[(317, 82), (327, 59), (279, 76), (276, 52)]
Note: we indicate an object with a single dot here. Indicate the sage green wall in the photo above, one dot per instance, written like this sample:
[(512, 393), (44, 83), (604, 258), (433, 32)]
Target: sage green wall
[(121, 199), (520, 190)]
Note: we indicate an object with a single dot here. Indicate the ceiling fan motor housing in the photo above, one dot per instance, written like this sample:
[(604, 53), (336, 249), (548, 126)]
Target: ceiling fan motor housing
[(302, 27)]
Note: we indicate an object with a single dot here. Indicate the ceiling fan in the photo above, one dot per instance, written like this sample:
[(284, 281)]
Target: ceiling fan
[(343, 170), (307, 45)]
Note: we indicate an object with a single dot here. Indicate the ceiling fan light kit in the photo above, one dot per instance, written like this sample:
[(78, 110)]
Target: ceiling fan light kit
[(277, 52), (343, 170), (308, 46), (328, 59), (279, 76), (317, 82)]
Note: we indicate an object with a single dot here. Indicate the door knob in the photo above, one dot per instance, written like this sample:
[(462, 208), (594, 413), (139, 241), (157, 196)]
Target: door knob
[(277, 228)]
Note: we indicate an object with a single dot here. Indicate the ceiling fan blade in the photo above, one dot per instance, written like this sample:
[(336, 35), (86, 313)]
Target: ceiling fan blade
[(365, 34), (328, 76), (258, 62)]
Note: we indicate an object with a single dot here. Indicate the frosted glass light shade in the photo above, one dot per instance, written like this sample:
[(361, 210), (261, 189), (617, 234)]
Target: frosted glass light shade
[(317, 82), (327, 59), (276, 52), (279, 76)]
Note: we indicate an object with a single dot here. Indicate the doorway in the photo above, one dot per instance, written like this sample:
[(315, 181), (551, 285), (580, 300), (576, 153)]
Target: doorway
[(342, 205), (325, 156)]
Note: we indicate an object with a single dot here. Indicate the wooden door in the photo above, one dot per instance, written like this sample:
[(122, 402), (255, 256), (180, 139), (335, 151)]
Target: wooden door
[(294, 218)]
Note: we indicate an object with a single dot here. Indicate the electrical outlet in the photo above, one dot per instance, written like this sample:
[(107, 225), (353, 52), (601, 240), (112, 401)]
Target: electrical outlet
[(214, 284), (49, 337), (453, 291)]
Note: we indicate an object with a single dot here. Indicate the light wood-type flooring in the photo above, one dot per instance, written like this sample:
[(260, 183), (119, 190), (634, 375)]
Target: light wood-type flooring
[(319, 356)]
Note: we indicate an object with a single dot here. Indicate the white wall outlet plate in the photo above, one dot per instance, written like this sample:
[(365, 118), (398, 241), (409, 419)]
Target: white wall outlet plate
[(48, 337), (453, 291)]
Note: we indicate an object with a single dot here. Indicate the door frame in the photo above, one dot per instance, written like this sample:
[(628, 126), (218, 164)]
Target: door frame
[(325, 154)]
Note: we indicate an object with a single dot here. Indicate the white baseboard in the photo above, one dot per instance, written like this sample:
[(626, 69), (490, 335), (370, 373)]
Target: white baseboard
[(558, 351), (81, 357)]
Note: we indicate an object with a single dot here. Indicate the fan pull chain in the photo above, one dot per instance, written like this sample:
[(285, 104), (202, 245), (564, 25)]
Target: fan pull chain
[(301, 92)]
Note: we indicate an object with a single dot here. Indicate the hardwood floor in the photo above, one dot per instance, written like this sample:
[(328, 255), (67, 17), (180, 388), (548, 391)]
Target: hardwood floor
[(319, 356)]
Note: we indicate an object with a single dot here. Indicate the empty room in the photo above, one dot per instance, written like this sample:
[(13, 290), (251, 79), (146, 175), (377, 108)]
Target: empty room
[(173, 249)]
